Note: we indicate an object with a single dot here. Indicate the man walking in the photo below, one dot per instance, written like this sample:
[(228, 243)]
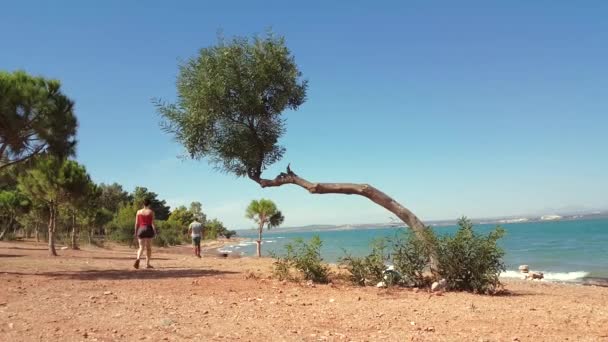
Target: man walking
[(195, 230)]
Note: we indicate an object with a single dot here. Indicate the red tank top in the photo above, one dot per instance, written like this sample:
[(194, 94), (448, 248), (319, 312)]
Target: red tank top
[(144, 220)]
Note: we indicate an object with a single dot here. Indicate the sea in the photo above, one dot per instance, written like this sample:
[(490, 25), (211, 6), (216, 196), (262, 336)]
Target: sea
[(565, 251)]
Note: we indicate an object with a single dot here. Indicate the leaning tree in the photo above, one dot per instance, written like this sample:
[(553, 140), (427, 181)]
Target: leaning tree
[(35, 117), (231, 98)]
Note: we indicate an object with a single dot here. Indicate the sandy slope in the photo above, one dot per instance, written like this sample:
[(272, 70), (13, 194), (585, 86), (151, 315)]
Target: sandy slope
[(95, 295)]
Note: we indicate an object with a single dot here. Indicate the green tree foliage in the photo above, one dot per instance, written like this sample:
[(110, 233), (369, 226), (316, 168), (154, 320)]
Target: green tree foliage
[(213, 229), (160, 207), (262, 212), (121, 228), (470, 261), (12, 204), (113, 196), (170, 233), (35, 117), (182, 217), (54, 182), (196, 209), (230, 101)]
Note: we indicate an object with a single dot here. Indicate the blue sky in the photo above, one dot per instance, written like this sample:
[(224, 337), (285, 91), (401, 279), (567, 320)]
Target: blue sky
[(471, 108)]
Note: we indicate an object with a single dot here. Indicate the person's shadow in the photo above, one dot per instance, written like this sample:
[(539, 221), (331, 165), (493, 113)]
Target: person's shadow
[(122, 274)]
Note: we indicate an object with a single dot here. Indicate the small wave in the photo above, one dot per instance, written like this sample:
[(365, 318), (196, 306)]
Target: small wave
[(269, 241), (552, 276)]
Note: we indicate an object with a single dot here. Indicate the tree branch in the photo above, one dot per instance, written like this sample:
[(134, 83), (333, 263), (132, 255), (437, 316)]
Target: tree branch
[(22, 159), (364, 190)]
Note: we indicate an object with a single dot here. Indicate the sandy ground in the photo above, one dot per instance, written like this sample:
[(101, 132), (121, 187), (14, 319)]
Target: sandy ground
[(95, 295)]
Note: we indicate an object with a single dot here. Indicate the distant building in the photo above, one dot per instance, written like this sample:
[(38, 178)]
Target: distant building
[(550, 217)]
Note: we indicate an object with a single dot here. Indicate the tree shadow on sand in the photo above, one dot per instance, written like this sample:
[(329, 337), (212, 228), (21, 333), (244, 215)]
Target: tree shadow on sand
[(28, 248), (10, 255), (127, 274)]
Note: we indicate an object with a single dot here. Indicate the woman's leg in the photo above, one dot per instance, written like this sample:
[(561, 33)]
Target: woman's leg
[(148, 251), (142, 243)]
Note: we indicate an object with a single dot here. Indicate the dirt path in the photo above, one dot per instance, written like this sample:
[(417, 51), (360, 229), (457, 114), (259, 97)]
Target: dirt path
[(95, 295)]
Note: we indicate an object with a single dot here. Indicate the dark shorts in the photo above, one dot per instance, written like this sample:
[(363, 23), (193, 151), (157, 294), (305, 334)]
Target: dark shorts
[(145, 232), (196, 241)]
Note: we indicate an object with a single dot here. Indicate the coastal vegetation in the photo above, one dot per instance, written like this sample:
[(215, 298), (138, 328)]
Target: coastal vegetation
[(469, 261), (302, 261)]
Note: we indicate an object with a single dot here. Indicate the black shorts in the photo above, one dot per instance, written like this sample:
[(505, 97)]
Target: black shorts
[(145, 232)]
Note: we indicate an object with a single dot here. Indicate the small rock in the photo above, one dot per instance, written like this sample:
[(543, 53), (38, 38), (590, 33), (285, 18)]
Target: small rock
[(516, 339), (205, 312), (11, 325), (107, 293), (439, 285), (430, 329), (535, 275), (63, 248), (332, 300), (85, 334), (381, 284), (524, 268), (412, 323)]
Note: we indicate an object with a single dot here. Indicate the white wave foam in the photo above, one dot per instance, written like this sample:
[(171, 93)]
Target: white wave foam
[(552, 276)]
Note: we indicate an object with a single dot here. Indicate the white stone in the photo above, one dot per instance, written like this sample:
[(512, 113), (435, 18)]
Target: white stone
[(524, 268), (439, 285)]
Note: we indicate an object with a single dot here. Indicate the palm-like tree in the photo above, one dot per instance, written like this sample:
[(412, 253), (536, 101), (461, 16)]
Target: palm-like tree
[(265, 213)]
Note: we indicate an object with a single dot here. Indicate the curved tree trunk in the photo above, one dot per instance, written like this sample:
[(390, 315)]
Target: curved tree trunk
[(364, 190)]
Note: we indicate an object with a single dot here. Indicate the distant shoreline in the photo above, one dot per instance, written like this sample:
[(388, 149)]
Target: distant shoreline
[(434, 224)]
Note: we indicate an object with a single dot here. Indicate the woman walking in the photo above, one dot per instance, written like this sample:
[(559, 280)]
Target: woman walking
[(144, 232)]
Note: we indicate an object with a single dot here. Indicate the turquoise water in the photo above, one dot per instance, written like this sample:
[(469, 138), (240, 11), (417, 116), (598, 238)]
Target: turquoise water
[(563, 250)]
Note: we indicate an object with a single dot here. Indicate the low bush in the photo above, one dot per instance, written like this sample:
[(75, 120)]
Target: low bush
[(304, 258), (411, 258), (369, 269), (169, 234), (469, 261)]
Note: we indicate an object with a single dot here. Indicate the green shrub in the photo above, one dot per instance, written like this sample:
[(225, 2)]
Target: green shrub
[(10, 236), (369, 269), (282, 268), (120, 233), (305, 258), (411, 257), (169, 234), (469, 261)]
